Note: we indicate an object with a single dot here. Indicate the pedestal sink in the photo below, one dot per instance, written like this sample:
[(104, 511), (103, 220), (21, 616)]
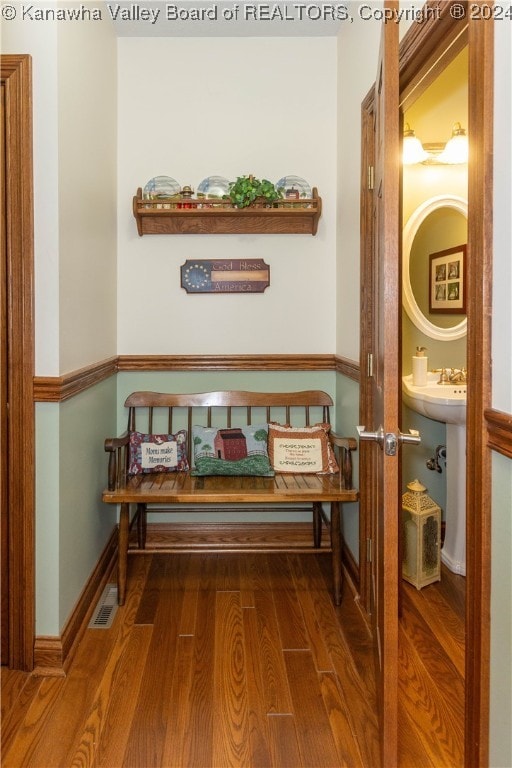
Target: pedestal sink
[(447, 403), (442, 402)]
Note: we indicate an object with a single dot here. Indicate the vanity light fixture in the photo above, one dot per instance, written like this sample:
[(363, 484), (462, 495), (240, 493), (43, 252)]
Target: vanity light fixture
[(454, 152), (412, 150)]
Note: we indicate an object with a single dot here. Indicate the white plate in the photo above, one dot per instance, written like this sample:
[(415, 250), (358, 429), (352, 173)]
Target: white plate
[(161, 186), (214, 186), (290, 185)]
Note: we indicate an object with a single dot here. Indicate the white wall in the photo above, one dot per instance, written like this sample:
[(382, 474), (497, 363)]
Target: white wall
[(191, 108), (87, 120), (74, 134), (358, 46), (502, 278), (40, 42)]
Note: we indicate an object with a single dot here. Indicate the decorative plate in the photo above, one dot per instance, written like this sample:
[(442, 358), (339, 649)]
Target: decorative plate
[(214, 186), (161, 186), (294, 188)]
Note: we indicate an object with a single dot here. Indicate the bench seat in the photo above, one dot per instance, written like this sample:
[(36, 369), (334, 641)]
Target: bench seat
[(182, 488), (169, 491)]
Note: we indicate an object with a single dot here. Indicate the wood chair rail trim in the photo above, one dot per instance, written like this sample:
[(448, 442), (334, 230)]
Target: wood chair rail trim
[(499, 431), (52, 389)]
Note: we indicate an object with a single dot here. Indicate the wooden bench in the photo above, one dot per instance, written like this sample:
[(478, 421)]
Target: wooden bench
[(156, 413)]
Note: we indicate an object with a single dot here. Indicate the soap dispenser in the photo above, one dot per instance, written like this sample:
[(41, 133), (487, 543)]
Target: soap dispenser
[(419, 367)]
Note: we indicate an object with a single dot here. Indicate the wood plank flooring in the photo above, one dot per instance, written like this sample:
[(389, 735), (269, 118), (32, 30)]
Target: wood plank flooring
[(221, 660), (431, 674)]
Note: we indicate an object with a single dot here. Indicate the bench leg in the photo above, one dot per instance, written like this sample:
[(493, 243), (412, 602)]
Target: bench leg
[(317, 524), (141, 526), (336, 550), (122, 555)]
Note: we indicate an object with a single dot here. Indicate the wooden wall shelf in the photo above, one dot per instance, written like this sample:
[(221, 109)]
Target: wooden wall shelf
[(290, 217)]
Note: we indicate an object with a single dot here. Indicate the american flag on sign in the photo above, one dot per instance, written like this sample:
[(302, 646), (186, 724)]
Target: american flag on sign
[(225, 276)]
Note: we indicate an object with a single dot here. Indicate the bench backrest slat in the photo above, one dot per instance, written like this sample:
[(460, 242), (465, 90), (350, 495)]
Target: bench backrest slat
[(227, 398)]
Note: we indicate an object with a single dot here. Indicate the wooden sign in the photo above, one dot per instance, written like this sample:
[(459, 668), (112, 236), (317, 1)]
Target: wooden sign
[(225, 276)]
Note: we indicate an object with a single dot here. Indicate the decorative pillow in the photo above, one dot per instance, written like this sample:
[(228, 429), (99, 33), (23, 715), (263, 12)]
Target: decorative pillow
[(158, 453), (237, 451), (301, 449)]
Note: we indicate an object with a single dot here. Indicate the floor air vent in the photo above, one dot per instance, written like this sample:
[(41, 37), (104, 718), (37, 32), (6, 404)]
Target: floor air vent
[(105, 611)]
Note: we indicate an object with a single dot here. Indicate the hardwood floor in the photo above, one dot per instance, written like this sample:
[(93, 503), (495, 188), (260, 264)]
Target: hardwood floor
[(238, 660), (431, 674)]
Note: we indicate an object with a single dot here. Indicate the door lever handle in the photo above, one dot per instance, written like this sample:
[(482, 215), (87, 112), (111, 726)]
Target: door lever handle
[(414, 437), (377, 436), (389, 441)]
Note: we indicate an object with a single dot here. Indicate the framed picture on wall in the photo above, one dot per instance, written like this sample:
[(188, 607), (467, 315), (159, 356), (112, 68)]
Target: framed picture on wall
[(447, 281)]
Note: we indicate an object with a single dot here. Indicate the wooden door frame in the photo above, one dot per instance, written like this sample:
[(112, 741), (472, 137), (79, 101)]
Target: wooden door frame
[(16, 74), (425, 50)]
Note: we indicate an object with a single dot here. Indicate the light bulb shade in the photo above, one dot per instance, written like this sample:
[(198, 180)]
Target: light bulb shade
[(457, 149), (412, 149)]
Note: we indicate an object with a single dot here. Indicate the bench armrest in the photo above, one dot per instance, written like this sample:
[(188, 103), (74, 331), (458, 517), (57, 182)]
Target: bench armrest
[(345, 446), (117, 448)]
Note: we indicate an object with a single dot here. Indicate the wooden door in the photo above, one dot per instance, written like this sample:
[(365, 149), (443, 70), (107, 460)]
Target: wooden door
[(424, 51), (4, 497), (385, 390), (385, 573)]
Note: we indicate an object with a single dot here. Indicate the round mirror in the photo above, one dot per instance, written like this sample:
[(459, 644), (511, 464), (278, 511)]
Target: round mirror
[(436, 227)]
